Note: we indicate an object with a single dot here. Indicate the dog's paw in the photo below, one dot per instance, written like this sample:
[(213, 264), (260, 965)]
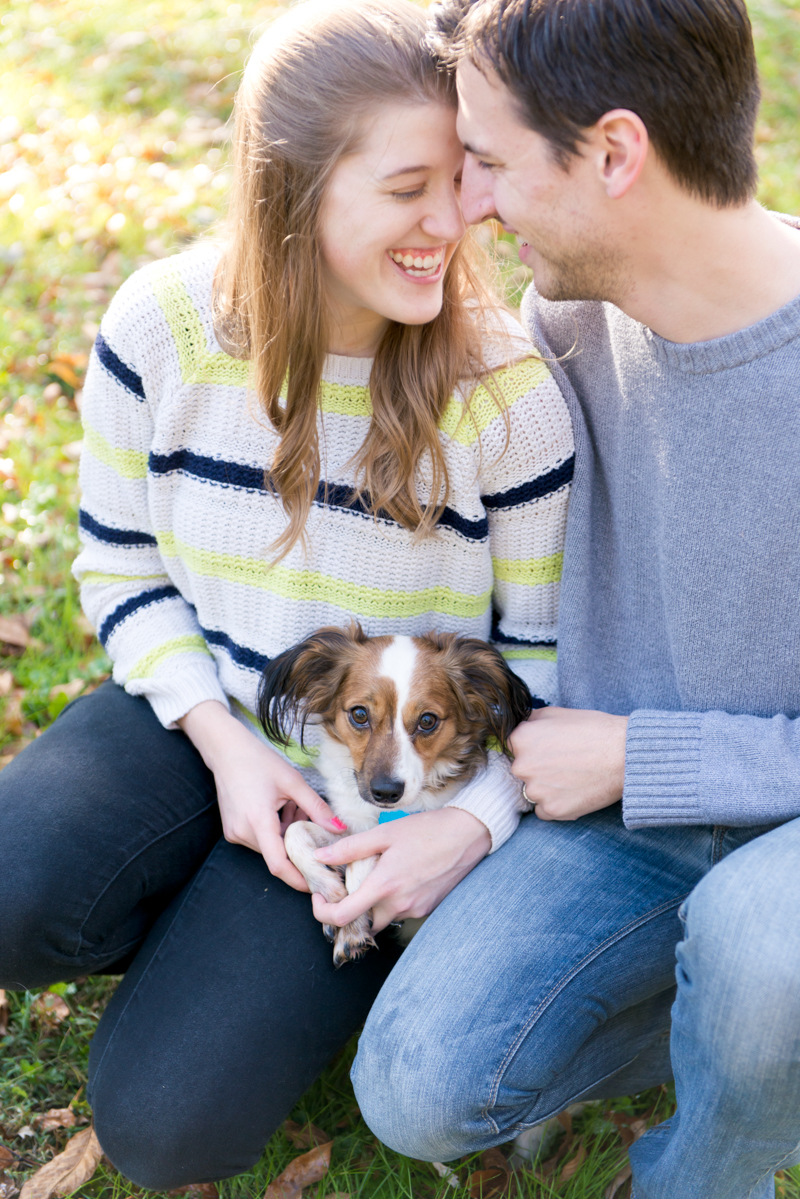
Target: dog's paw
[(330, 931), (353, 941)]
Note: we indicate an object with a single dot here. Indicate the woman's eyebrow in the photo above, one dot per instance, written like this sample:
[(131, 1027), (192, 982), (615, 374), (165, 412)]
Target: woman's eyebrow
[(405, 171)]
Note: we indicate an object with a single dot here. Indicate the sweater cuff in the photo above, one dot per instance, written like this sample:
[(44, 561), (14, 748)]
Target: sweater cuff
[(494, 796), (173, 695), (662, 769)]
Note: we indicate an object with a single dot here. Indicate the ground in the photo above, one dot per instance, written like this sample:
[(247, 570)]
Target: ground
[(113, 152)]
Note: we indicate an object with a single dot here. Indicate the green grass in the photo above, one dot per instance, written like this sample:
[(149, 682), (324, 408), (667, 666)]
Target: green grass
[(112, 153)]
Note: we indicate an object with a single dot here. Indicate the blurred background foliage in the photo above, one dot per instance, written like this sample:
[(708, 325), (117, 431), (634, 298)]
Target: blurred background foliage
[(113, 147)]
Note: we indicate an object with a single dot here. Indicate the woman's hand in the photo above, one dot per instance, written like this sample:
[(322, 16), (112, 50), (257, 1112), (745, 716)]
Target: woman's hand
[(259, 793), (422, 858)]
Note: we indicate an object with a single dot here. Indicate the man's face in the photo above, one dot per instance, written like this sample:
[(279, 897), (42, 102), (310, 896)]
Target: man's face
[(510, 174)]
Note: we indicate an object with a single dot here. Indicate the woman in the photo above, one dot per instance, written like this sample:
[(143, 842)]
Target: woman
[(338, 337)]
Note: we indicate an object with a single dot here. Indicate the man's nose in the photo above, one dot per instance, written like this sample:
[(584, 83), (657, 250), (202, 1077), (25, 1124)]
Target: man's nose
[(477, 192)]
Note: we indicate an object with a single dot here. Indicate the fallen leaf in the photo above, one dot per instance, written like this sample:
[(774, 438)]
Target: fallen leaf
[(485, 1183), (304, 1137), (68, 1171), (198, 1190), (70, 689), (573, 1165), (3, 1030), (338, 1195), (8, 1188), (50, 1008), (25, 1131), (6, 1157), (620, 1179), (56, 1117), (309, 1167), (6, 683), (13, 631), (630, 1128), (447, 1174)]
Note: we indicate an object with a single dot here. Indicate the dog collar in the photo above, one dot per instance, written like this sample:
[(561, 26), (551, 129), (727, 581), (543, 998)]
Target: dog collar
[(385, 817)]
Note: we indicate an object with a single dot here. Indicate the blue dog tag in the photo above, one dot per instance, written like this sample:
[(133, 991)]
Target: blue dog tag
[(385, 817)]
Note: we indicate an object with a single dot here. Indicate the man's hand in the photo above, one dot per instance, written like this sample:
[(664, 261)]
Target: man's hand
[(422, 859), (571, 762)]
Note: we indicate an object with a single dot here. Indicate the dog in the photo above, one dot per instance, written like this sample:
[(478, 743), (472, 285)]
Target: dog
[(405, 723)]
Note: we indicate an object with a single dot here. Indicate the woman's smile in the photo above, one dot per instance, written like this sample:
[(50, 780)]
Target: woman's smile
[(424, 264)]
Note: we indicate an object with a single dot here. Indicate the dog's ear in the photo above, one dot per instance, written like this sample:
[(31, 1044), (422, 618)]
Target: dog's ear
[(303, 681), (493, 696)]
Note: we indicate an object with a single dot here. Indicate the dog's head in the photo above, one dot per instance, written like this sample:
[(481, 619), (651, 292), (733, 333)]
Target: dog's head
[(415, 713)]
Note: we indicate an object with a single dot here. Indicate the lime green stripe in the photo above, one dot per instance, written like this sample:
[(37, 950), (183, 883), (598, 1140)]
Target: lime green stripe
[(94, 578), (528, 571), (197, 363), (293, 751), (191, 643), (131, 464), (546, 655), (511, 384), (316, 587)]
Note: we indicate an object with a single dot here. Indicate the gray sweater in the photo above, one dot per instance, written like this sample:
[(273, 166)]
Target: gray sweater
[(680, 600)]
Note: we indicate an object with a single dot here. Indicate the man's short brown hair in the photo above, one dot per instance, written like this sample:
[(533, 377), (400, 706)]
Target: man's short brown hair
[(686, 67)]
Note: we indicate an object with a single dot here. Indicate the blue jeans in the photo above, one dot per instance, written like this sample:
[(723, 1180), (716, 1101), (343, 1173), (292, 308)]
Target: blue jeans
[(548, 975)]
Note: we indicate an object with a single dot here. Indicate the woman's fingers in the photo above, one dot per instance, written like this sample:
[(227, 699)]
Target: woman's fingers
[(353, 848), (344, 912), (273, 851), (314, 806)]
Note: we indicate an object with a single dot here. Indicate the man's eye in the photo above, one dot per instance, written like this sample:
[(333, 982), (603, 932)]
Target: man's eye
[(359, 717), (427, 722)]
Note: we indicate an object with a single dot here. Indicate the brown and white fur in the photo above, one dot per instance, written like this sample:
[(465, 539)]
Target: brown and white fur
[(406, 722)]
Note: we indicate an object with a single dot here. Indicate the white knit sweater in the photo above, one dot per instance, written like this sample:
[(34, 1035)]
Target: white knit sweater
[(176, 522)]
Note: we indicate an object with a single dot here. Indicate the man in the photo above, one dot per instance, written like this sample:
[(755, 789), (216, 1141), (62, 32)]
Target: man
[(615, 139)]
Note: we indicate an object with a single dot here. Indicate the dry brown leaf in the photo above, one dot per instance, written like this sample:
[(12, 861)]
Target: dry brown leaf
[(484, 1184), (309, 1167), (50, 1008), (6, 1157), (338, 1195), (57, 1117), (304, 1136), (12, 715), (68, 1171), (8, 1188), (573, 1165), (198, 1190), (13, 631), (3, 1030), (71, 689), (6, 683), (620, 1179)]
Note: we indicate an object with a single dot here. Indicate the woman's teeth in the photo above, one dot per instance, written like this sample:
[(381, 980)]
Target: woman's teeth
[(418, 265)]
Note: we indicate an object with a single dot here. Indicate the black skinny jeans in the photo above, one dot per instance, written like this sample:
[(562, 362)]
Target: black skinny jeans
[(111, 859)]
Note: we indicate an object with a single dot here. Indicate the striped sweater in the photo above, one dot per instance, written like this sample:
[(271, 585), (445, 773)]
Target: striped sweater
[(176, 522)]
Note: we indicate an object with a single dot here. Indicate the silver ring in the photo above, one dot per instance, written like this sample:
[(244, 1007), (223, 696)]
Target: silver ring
[(525, 794)]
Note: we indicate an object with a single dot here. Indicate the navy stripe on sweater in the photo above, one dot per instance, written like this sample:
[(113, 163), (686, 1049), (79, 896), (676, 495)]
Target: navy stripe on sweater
[(500, 638), (331, 495), (117, 368), (534, 489), (242, 655), (113, 536), (134, 604)]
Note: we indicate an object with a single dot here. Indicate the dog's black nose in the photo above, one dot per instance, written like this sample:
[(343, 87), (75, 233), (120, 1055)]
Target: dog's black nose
[(386, 790)]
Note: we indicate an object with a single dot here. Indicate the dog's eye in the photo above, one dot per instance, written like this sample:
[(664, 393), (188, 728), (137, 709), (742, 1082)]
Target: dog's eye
[(359, 717), (427, 722)]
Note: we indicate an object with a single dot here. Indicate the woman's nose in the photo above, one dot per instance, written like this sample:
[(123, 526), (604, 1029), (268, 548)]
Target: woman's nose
[(445, 221)]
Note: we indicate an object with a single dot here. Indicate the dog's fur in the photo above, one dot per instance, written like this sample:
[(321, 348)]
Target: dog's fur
[(406, 722)]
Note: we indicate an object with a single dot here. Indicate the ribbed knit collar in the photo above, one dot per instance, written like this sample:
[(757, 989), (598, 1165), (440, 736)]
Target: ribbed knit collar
[(352, 372)]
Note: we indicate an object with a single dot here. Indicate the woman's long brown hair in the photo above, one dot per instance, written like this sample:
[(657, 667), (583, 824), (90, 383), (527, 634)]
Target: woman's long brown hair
[(308, 84)]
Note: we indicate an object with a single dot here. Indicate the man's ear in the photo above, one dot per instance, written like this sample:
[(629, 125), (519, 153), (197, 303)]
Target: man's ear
[(620, 145)]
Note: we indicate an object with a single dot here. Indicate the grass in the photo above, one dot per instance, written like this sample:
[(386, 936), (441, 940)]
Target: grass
[(112, 153)]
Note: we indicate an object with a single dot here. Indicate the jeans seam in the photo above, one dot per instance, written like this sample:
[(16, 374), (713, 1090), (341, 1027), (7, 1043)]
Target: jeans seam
[(139, 981), (565, 981), (717, 838), (82, 944)]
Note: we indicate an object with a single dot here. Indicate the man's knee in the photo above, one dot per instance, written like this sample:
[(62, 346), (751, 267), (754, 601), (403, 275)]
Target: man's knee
[(739, 963)]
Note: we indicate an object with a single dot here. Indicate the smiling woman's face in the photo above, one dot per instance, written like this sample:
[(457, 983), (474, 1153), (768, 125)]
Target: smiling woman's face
[(390, 221)]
